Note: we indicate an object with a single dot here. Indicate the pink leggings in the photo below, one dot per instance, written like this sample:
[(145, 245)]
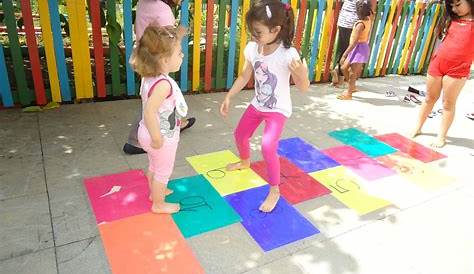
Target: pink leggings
[(274, 123)]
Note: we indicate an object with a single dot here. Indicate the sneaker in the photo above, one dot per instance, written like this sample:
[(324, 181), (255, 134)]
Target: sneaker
[(131, 149), (390, 93)]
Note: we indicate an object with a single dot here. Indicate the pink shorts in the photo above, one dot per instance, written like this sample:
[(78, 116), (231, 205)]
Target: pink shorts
[(440, 66), (160, 161)]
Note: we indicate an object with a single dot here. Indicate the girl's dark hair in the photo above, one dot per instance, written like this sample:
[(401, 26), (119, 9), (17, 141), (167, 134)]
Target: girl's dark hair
[(449, 9), (281, 15), (363, 9)]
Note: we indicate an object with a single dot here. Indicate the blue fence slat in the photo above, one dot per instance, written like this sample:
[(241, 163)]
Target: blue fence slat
[(184, 66), (59, 50), (5, 89), (232, 35), (128, 36), (378, 37), (315, 47), (403, 37)]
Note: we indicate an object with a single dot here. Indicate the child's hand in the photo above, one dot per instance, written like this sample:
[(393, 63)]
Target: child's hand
[(298, 68), (225, 107), (157, 143)]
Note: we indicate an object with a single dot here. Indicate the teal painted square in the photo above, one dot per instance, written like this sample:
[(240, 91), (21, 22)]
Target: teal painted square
[(202, 208), (363, 142)]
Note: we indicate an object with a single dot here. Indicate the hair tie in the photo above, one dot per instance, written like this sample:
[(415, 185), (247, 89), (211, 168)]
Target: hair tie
[(269, 12), (287, 6)]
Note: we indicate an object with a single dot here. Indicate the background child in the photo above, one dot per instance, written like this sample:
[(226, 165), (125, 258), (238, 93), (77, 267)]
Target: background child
[(345, 23), (272, 59), (160, 13), (358, 51), (449, 67), (157, 54)]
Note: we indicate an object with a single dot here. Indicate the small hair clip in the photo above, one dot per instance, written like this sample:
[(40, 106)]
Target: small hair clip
[(287, 6), (269, 12), (169, 33)]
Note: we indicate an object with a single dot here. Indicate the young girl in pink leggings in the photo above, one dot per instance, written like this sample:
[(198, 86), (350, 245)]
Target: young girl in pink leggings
[(272, 60)]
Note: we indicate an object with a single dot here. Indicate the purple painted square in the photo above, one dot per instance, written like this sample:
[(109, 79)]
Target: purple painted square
[(304, 155), (282, 226)]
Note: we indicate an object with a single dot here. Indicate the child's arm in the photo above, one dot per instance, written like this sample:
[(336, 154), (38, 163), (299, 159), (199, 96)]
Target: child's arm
[(356, 31), (299, 72), (158, 95), (238, 85)]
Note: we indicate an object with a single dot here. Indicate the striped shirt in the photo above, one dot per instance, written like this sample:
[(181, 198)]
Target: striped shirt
[(348, 14)]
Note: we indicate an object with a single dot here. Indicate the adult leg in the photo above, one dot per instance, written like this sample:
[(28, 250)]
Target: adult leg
[(433, 91), (343, 38), (451, 89), (132, 146)]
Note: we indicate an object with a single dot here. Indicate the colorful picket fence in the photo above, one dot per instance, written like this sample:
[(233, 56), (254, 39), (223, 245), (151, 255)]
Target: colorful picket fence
[(402, 40)]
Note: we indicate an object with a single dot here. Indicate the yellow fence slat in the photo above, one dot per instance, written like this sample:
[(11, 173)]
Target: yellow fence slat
[(324, 40), (197, 43), (243, 33), (80, 48), (49, 50), (386, 35), (409, 36)]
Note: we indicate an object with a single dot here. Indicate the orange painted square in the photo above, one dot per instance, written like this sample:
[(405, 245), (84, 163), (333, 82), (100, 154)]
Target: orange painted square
[(147, 243)]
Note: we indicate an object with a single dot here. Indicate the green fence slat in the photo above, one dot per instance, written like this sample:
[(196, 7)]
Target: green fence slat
[(307, 31), (113, 50), (220, 81), (25, 95), (377, 18)]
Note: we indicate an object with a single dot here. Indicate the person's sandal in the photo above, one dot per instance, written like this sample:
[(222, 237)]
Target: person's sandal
[(132, 150), (470, 116), (190, 123)]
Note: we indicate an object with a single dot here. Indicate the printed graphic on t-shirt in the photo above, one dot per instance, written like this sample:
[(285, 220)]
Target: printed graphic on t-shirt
[(265, 85), (168, 123)]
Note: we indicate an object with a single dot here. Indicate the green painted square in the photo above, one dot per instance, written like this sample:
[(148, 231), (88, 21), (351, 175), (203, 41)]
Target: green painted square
[(202, 208)]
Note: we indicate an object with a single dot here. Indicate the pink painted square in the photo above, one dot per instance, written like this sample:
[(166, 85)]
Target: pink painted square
[(118, 196)]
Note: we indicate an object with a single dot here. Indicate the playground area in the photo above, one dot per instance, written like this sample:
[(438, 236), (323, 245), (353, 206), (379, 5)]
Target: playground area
[(358, 195)]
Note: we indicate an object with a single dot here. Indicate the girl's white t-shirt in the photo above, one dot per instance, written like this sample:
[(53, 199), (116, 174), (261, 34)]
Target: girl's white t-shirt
[(272, 78)]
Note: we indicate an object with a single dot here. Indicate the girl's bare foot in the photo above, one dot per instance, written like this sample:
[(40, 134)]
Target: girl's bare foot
[(415, 133), (345, 96), (164, 208), (272, 199), (239, 165), (440, 142), (168, 191)]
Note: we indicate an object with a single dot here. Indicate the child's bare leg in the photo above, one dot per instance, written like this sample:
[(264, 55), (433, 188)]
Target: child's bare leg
[(451, 89), (356, 69), (272, 199), (433, 91), (149, 177), (158, 190), (245, 163)]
